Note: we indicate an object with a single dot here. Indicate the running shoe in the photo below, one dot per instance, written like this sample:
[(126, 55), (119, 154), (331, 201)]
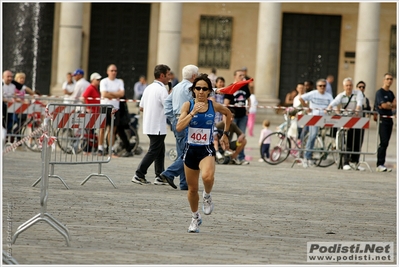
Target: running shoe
[(194, 225), (207, 205)]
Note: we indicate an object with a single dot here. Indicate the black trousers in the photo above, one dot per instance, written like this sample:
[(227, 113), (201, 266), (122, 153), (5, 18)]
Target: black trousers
[(354, 143), (385, 132), (156, 154)]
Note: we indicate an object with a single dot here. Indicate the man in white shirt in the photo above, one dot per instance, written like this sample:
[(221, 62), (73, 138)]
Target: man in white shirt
[(318, 100), (9, 88), (111, 89), (350, 99), (80, 86), (154, 125)]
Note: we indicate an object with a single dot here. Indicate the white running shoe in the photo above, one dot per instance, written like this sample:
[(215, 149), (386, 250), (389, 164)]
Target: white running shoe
[(194, 225), (305, 163), (360, 168), (382, 168), (218, 155), (207, 205), (347, 167)]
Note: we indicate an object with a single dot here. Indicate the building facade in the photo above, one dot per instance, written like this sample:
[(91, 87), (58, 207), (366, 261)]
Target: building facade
[(279, 43)]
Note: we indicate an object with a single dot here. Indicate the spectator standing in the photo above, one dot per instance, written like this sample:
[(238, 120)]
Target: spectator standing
[(308, 86), (111, 89), (238, 99), (252, 114), (220, 83), (20, 78), (68, 86), (300, 88), (366, 102), (173, 79), (92, 96), (154, 125), (352, 100), (212, 76), (385, 103), (318, 100), (329, 80), (139, 88), (9, 88), (180, 94), (80, 86), (265, 143)]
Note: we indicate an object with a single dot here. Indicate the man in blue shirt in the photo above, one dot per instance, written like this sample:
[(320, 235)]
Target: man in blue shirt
[(173, 105)]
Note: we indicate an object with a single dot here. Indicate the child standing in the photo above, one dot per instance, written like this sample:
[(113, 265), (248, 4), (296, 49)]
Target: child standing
[(265, 146)]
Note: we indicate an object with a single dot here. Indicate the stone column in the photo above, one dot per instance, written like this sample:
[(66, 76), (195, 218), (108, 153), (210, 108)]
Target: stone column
[(267, 72), (70, 42), (169, 36), (367, 48)]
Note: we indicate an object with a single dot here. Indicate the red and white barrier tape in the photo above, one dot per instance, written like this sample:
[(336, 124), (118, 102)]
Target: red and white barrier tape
[(288, 109)]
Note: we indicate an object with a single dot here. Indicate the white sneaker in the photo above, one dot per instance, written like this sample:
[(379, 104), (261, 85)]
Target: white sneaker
[(194, 225), (218, 155), (360, 168), (237, 161), (310, 163), (261, 160), (159, 181), (139, 180), (382, 168), (207, 205), (305, 163), (228, 153), (347, 167)]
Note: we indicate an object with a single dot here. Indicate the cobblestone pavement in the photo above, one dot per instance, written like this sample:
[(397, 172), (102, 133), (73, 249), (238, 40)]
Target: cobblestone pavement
[(263, 214)]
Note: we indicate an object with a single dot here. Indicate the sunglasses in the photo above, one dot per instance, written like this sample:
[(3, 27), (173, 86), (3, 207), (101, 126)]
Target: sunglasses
[(361, 87), (201, 88), (321, 85)]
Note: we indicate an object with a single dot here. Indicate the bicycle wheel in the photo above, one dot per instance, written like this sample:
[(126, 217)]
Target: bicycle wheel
[(33, 142), (71, 141), (133, 137), (280, 147), (329, 157)]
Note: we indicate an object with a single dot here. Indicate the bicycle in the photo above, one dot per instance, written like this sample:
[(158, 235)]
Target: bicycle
[(74, 141), (30, 124), (281, 145)]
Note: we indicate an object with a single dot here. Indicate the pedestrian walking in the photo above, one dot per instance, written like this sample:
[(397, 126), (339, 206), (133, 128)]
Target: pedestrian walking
[(154, 125)]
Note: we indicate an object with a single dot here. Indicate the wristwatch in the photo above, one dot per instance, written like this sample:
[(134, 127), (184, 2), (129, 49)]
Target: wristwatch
[(227, 133)]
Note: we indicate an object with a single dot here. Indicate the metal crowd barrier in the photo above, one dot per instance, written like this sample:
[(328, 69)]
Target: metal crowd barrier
[(359, 125), (22, 116), (76, 128), (44, 215)]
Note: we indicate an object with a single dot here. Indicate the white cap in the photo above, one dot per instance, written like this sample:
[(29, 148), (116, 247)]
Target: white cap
[(95, 76)]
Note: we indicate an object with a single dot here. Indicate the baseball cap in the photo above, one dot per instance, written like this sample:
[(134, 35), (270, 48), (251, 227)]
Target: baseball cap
[(78, 71), (95, 76)]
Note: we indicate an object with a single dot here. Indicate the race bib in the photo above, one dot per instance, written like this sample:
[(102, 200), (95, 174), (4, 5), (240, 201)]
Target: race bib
[(198, 136)]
